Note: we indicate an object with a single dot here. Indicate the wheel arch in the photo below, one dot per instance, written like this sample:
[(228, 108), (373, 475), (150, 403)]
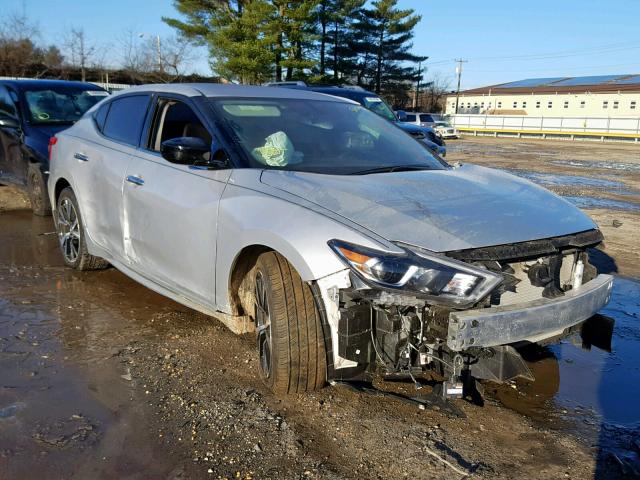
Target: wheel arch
[(239, 291), (60, 185)]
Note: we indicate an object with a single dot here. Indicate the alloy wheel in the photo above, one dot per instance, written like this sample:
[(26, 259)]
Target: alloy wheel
[(68, 230), (263, 324)]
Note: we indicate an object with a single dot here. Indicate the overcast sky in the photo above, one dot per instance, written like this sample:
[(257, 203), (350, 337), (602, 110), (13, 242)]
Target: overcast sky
[(503, 40)]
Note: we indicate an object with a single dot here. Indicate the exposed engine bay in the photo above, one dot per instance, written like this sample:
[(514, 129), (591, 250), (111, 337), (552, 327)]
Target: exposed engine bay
[(399, 335)]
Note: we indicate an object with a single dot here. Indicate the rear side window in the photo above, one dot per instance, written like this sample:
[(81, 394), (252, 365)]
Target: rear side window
[(101, 115), (411, 118), (125, 119)]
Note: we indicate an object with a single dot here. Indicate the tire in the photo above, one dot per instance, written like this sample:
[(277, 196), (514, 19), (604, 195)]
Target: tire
[(37, 191), (71, 234), (293, 343)]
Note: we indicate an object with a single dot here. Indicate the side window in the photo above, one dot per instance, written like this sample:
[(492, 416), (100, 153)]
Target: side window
[(411, 118), (125, 118), (7, 107), (427, 118), (101, 115), (174, 119)]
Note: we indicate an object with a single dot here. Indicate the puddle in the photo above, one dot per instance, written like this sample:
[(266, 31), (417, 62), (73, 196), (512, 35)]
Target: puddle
[(590, 393), (592, 202), (626, 167), (583, 201), (65, 411), (556, 179)]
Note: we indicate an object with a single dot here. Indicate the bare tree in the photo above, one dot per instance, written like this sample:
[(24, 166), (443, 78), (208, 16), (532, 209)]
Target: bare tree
[(151, 58), (20, 55), (434, 94), (175, 56), (79, 51)]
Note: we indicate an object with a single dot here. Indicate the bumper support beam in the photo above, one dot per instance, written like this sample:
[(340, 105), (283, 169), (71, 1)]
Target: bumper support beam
[(531, 321)]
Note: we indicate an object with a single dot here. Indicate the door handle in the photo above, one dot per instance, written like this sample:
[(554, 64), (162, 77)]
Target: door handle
[(135, 180), (81, 156)]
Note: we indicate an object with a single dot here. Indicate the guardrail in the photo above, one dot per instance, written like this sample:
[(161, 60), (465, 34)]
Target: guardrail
[(599, 128)]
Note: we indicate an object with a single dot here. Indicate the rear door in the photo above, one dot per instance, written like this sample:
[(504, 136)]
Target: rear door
[(10, 140), (171, 210), (103, 166)]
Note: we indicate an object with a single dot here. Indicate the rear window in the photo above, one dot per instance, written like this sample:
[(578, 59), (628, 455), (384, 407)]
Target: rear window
[(125, 118)]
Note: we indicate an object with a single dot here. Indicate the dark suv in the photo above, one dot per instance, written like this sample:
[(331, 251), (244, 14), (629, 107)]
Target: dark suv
[(373, 102), (31, 112)]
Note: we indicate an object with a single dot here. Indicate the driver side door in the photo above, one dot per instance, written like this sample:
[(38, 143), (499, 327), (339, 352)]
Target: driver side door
[(170, 211)]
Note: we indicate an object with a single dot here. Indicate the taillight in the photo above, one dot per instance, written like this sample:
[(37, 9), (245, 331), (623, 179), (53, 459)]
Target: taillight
[(52, 142)]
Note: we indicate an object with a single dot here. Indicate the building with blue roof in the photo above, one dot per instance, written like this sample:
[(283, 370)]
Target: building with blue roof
[(589, 96)]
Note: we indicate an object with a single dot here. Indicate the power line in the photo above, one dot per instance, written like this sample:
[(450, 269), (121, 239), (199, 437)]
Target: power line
[(603, 49)]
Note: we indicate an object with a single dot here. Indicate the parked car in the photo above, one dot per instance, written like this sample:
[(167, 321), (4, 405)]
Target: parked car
[(31, 112), (420, 119), (377, 105), (445, 130), (346, 245)]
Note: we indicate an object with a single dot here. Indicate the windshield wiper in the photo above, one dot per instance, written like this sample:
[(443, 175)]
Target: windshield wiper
[(395, 168)]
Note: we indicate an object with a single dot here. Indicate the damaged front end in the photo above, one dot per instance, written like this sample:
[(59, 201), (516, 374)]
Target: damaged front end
[(456, 316)]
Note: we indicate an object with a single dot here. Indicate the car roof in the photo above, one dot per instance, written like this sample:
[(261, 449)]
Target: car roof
[(32, 83), (227, 90)]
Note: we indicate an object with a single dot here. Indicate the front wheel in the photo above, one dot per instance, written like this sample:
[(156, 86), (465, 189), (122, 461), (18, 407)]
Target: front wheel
[(289, 333), (71, 234)]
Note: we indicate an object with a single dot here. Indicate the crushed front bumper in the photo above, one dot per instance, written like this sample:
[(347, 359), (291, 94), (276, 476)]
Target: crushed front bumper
[(533, 321)]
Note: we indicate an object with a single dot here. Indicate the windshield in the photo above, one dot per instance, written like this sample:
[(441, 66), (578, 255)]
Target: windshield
[(318, 136), (60, 105), (442, 124), (377, 105)]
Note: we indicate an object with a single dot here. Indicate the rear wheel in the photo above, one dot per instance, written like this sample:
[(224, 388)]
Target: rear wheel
[(37, 190), (71, 234), (289, 332)]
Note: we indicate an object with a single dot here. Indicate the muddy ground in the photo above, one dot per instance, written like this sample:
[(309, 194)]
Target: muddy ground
[(102, 378)]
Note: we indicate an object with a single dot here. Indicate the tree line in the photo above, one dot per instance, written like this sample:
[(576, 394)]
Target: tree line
[(357, 42), (323, 41), (134, 58)]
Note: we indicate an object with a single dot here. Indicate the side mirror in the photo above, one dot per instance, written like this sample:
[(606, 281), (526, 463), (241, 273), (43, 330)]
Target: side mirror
[(9, 122), (185, 150)]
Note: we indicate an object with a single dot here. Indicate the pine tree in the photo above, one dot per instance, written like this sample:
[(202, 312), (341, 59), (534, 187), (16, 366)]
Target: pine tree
[(342, 16), (250, 41), (234, 32), (388, 31)]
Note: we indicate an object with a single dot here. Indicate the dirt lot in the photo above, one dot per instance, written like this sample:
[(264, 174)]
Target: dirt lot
[(102, 378)]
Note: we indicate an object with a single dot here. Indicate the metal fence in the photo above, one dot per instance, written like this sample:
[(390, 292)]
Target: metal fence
[(600, 127)]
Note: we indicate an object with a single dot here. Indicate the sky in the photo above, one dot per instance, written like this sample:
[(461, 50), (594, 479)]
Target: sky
[(502, 40)]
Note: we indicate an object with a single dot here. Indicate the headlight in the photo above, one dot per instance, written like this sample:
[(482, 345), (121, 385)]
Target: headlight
[(441, 279)]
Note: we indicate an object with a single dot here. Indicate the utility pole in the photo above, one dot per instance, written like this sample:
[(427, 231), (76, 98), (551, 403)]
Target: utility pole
[(459, 61), (416, 98)]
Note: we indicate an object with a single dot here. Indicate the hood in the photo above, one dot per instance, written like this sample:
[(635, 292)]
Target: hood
[(440, 210), (412, 127)]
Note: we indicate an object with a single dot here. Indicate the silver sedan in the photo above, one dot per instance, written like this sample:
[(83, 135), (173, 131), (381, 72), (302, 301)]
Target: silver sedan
[(342, 242)]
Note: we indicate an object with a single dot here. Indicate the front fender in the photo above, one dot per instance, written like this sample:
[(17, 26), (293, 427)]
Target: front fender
[(249, 217)]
